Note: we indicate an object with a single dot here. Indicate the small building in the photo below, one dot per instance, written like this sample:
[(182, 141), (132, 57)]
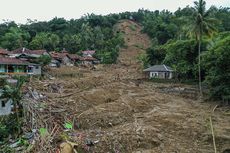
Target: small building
[(5, 105), (14, 66), (159, 71), (62, 57)]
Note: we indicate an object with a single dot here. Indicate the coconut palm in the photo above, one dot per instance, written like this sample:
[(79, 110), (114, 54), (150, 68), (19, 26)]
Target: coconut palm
[(202, 24)]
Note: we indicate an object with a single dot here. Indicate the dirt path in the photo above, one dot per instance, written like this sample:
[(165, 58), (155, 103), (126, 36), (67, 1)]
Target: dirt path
[(123, 115)]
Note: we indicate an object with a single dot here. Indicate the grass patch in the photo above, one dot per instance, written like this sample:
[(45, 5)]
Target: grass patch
[(132, 27)]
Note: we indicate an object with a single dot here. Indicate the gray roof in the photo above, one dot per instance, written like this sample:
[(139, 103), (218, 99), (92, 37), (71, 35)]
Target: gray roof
[(158, 68)]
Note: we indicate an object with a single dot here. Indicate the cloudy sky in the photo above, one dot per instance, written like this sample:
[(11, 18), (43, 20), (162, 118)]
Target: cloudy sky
[(21, 10)]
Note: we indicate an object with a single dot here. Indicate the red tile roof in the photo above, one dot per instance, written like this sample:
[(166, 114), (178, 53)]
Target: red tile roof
[(38, 52), (15, 61), (4, 52), (56, 55), (21, 51), (74, 56)]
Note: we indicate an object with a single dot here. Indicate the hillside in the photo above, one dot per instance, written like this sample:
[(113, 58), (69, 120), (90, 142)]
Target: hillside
[(113, 109)]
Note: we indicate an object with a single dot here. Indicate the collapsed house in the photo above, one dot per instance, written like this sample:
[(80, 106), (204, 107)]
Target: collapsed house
[(87, 57), (88, 60), (61, 58)]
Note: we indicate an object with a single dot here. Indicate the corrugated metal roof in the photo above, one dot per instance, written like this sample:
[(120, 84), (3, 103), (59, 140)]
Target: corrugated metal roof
[(158, 68)]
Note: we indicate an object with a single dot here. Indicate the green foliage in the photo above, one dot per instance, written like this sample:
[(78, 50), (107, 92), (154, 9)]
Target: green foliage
[(181, 55), (143, 58), (132, 27), (217, 63), (14, 93), (68, 125), (14, 38), (43, 132), (8, 126), (156, 54), (44, 60)]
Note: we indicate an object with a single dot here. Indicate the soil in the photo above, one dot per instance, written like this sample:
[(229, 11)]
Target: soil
[(121, 112)]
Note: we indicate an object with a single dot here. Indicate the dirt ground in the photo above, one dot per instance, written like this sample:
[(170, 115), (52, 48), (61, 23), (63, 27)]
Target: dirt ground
[(121, 113)]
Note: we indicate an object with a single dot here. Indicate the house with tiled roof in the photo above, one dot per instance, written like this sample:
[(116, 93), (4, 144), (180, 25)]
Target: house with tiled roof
[(61, 57), (27, 53), (14, 66)]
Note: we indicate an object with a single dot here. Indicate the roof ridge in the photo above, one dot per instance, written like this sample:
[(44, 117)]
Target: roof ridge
[(166, 68)]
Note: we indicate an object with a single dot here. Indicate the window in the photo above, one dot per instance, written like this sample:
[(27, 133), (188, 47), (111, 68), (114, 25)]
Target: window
[(3, 103), (30, 69)]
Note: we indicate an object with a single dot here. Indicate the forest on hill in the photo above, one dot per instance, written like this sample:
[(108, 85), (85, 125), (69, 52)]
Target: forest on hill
[(192, 40)]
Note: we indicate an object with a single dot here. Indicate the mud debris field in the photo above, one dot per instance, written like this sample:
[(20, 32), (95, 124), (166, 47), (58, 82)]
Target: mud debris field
[(112, 107)]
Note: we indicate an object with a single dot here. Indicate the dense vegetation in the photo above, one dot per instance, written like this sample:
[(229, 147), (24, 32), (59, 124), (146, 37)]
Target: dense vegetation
[(181, 39)]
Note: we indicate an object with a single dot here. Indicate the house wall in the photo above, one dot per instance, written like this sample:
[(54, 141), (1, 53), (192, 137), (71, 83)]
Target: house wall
[(2, 68), (37, 70), (6, 110), (161, 75)]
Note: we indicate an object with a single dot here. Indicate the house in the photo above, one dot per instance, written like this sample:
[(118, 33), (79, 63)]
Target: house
[(159, 71), (26, 53), (88, 53), (14, 66), (5, 105), (62, 57), (3, 53)]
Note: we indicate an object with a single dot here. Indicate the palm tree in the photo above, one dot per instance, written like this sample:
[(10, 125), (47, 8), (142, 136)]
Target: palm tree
[(202, 24)]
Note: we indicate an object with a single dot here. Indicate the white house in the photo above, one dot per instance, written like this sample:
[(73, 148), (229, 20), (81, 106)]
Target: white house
[(159, 71)]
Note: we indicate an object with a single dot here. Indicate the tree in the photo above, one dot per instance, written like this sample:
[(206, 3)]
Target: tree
[(182, 55), (201, 25), (217, 63), (15, 38)]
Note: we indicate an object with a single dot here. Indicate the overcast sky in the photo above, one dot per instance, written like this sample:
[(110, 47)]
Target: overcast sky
[(21, 10)]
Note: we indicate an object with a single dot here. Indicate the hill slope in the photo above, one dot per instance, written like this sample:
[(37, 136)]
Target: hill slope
[(135, 41)]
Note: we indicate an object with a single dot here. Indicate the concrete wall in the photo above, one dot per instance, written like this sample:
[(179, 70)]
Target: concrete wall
[(37, 70), (6, 110)]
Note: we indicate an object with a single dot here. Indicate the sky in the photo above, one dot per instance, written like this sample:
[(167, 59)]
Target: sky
[(44, 10)]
